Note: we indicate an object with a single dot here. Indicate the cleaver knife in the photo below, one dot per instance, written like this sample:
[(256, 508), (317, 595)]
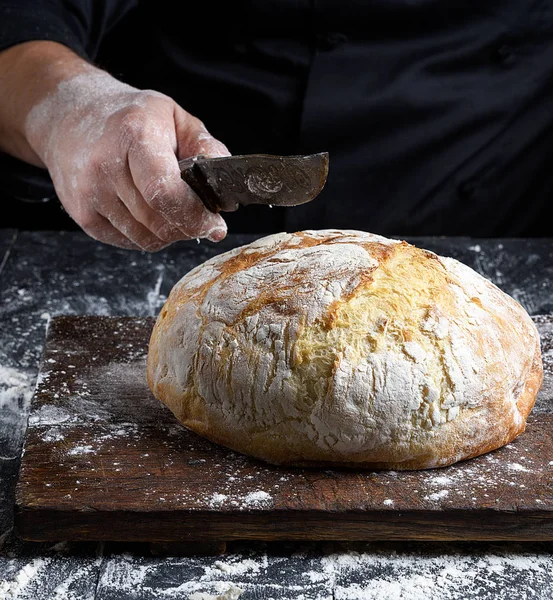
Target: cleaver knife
[(225, 183)]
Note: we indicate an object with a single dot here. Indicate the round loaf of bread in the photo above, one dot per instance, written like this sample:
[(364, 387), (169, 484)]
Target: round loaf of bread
[(343, 348)]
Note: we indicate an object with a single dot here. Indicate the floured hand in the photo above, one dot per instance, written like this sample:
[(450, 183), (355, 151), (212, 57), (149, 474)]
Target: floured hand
[(112, 152)]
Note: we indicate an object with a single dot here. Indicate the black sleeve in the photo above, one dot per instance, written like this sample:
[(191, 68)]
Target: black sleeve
[(79, 24)]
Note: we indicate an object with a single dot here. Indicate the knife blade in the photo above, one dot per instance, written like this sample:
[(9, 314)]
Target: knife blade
[(225, 183)]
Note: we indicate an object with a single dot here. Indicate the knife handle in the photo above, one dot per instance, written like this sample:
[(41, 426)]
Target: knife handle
[(196, 179), (226, 182)]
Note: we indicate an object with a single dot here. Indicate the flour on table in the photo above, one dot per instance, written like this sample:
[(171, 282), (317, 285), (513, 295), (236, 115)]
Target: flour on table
[(11, 590), (440, 480), (517, 467), (77, 450), (237, 567), (15, 384), (232, 593), (217, 499), (49, 414), (256, 500), (444, 575), (437, 495), (356, 571)]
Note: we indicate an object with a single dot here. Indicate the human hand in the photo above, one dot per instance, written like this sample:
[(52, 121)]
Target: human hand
[(112, 152)]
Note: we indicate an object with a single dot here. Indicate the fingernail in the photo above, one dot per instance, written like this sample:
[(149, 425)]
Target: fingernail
[(212, 147), (216, 235)]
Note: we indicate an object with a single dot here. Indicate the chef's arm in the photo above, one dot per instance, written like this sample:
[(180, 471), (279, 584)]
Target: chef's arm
[(111, 150), (29, 72)]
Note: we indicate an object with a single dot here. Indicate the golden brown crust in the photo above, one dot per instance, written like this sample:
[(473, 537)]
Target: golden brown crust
[(449, 455), (252, 351)]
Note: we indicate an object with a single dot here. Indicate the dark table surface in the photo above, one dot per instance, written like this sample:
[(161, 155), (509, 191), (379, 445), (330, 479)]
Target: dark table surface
[(43, 274)]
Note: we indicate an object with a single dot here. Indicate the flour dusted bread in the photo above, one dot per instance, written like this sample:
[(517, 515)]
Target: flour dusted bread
[(345, 348)]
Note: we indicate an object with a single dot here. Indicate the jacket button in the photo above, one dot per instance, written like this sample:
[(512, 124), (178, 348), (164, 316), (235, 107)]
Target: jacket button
[(330, 41)]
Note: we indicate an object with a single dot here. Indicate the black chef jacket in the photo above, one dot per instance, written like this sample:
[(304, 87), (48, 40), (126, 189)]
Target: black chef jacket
[(437, 114)]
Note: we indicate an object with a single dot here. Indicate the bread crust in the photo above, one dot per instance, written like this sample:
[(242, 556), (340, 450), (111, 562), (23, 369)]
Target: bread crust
[(344, 349)]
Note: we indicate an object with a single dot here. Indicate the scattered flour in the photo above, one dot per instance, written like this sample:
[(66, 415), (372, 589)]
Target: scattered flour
[(53, 434), (437, 496), (357, 571), (232, 593), (217, 500), (517, 467), (440, 480), (49, 414), (26, 576), (15, 384), (444, 575), (259, 499), (137, 578), (238, 567), (77, 450)]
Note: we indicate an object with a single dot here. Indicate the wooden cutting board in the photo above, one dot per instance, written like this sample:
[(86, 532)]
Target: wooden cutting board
[(103, 460)]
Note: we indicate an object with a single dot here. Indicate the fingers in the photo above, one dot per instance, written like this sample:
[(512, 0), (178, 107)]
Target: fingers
[(193, 137), (156, 175), (102, 214), (127, 189), (140, 210), (116, 212), (101, 229)]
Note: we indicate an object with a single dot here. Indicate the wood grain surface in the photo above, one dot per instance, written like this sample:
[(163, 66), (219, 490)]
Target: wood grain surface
[(103, 460)]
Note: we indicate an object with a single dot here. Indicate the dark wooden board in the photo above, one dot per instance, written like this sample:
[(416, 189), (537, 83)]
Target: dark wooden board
[(103, 460)]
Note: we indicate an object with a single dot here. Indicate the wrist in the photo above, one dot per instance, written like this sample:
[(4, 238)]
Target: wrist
[(29, 72), (78, 103)]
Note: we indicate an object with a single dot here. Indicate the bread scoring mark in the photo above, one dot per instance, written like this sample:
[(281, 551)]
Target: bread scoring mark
[(228, 265), (195, 287)]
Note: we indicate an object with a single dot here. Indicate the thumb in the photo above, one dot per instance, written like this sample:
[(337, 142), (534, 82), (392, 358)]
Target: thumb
[(193, 138)]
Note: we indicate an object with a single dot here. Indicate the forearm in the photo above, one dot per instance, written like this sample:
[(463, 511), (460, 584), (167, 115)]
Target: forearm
[(111, 150), (28, 73)]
